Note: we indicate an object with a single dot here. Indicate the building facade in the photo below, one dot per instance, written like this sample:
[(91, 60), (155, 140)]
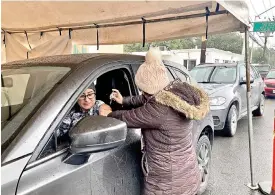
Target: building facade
[(93, 49), (191, 57)]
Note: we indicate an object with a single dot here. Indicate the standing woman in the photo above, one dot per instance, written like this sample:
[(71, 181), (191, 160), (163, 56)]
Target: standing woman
[(164, 113)]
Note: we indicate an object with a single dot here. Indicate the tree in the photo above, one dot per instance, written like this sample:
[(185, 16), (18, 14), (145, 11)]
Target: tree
[(171, 44), (269, 58), (228, 42)]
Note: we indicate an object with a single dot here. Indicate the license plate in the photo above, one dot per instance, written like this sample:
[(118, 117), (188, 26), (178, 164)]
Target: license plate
[(273, 91)]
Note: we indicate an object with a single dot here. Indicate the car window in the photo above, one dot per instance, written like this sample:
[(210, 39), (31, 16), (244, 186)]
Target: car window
[(252, 73), (256, 73), (262, 68), (117, 79), (243, 72), (22, 89), (180, 75), (171, 78), (270, 75), (201, 74)]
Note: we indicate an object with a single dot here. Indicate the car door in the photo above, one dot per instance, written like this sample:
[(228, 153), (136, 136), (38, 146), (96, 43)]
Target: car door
[(241, 89), (258, 86), (116, 171), (255, 87)]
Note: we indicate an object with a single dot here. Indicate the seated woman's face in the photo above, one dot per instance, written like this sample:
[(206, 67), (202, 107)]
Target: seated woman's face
[(87, 100)]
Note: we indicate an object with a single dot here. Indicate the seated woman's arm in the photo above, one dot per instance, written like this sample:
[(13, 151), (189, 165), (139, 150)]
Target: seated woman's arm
[(104, 108)]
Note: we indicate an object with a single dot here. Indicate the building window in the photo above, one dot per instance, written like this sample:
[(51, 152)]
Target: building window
[(185, 63), (226, 61), (192, 64), (217, 61)]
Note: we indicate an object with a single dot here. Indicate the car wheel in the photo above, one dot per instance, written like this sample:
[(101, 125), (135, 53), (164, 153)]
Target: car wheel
[(231, 122), (203, 150), (260, 109)]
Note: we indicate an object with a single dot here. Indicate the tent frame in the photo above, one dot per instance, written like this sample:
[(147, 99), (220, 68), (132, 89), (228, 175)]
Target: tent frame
[(199, 15)]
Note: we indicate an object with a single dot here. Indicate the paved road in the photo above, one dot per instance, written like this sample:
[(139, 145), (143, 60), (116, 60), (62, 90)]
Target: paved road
[(230, 156)]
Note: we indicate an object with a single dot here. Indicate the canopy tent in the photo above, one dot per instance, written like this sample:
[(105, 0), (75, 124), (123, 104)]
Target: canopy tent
[(32, 29)]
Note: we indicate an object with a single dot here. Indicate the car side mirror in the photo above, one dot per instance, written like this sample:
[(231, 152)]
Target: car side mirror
[(243, 80), (95, 134)]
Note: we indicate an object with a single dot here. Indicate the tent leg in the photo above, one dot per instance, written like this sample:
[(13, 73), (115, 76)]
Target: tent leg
[(251, 185)]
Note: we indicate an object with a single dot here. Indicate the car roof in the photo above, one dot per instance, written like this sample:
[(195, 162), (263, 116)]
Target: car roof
[(72, 60), (217, 64)]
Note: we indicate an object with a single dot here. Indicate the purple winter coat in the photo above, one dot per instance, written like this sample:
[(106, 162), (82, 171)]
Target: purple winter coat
[(170, 163)]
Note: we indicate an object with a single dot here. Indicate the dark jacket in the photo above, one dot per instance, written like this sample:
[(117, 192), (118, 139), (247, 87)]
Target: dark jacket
[(171, 166)]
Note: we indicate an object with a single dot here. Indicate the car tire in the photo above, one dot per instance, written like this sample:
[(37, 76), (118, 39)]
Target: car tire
[(231, 122), (260, 110), (203, 150)]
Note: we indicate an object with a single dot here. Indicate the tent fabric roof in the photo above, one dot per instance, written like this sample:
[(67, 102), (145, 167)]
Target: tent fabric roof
[(40, 16)]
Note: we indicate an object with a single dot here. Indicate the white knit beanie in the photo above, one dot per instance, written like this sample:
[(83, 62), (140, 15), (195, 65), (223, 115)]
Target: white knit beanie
[(151, 76)]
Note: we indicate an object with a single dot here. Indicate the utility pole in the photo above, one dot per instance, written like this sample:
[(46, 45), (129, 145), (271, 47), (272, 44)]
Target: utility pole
[(265, 42), (203, 49), (251, 52)]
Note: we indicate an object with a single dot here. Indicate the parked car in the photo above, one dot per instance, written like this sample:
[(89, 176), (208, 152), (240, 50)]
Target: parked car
[(226, 87), (263, 69), (38, 93), (270, 84)]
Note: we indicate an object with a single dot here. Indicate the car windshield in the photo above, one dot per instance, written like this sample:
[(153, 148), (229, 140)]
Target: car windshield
[(262, 68), (271, 75), (214, 74), (22, 89)]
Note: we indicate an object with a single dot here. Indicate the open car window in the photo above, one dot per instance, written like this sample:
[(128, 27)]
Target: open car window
[(116, 79)]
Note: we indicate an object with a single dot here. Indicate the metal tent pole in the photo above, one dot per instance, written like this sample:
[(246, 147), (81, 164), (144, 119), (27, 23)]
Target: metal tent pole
[(251, 185)]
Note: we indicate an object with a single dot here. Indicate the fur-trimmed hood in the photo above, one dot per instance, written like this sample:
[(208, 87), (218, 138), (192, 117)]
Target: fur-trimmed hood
[(188, 99)]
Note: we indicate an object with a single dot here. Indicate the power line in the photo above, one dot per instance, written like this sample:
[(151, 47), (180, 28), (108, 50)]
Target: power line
[(255, 18), (272, 10), (266, 10), (253, 7)]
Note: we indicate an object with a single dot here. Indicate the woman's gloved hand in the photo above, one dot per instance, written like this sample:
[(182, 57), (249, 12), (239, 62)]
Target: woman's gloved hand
[(116, 96)]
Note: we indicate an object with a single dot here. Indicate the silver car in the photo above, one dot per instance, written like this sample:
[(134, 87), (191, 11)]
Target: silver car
[(101, 156), (226, 87)]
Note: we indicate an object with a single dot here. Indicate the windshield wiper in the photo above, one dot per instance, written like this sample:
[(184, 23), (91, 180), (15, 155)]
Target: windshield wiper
[(215, 82), (210, 82)]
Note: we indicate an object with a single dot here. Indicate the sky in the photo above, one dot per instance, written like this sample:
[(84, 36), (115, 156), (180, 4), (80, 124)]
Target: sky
[(256, 7)]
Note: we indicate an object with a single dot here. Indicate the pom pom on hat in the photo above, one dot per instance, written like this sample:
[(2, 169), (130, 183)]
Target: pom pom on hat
[(152, 75)]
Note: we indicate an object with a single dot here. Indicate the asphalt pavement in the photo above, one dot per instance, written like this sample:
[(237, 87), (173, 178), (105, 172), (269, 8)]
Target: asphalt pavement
[(230, 171)]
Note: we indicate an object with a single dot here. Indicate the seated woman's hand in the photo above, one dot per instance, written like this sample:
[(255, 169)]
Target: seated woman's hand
[(116, 96), (104, 110)]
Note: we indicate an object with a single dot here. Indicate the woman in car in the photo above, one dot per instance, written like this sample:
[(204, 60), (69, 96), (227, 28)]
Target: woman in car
[(87, 105), (164, 113)]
